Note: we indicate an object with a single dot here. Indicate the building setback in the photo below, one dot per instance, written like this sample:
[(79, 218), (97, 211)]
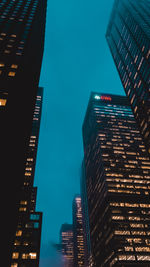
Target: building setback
[(22, 28), (66, 242), (26, 248), (117, 170), (128, 36), (78, 233)]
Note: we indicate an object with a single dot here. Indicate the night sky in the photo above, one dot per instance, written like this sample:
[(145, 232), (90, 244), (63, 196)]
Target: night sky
[(76, 61)]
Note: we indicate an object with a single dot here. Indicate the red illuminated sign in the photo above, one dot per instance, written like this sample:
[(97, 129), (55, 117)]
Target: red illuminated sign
[(107, 98)]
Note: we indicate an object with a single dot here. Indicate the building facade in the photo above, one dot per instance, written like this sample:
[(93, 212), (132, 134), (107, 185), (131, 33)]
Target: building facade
[(78, 232), (66, 242), (22, 29), (26, 248), (85, 212), (117, 170), (128, 37)]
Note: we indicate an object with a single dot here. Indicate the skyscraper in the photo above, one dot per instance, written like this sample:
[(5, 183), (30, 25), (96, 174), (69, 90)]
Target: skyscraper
[(22, 28), (66, 241), (86, 228), (117, 170), (128, 37), (78, 233), (26, 248)]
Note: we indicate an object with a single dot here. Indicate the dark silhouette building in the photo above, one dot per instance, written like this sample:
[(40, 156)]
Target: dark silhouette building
[(117, 171), (22, 29), (128, 37), (78, 233), (66, 244), (26, 248)]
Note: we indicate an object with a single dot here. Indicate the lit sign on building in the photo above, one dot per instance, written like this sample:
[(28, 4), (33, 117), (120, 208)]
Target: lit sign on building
[(103, 97), (97, 97)]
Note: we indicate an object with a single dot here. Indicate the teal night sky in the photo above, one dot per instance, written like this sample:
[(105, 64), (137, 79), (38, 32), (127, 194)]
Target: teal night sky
[(76, 61)]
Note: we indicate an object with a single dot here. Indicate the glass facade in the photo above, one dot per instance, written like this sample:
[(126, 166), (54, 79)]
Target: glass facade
[(66, 241), (117, 169), (128, 36), (86, 228), (79, 242)]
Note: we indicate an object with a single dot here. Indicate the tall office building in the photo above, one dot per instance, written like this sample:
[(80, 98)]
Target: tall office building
[(85, 213), (66, 241), (22, 28), (128, 37), (117, 170), (78, 233), (26, 248)]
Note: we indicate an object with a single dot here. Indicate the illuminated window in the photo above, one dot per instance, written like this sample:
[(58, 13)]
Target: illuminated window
[(135, 218), (3, 102), (7, 51), (145, 205), (25, 243), (17, 243), (23, 202), (15, 255), (128, 248), (9, 45), (14, 264), (138, 233), (3, 34), (28, 169), (27, 174), (122, 232), (22, 209), (137, 240), (143, 249), (19, 53), (19, 233), (14, 66), (31, 255), (30, 159), (143, 258), (11, 73), (118, 217), (137, 225), (126, 257)]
